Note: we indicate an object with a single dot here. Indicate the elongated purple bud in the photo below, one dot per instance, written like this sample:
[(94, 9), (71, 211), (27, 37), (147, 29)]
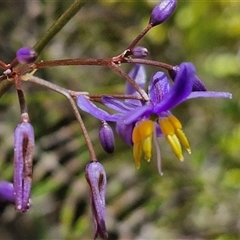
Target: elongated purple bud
[(26, 55), (96, 178), (106, 137), (140, 52), (162, 12), (7, 192), (23, 157)]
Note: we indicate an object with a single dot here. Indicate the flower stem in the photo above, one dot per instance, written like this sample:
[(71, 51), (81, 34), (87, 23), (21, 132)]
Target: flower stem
[(139, 37), (67, 94), (149, 62), (118, 70)]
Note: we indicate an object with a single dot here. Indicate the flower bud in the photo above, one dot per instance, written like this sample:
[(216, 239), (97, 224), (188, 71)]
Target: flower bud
[(106, 137), (140, 52), (96, 178), (26, 55), (162, 11), (23, 157), (6, 192)]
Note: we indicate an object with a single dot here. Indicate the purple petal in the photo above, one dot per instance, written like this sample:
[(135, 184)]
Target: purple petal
[(23, 157), (209, 94), (138, 74), (118, 105), (162, 11), (180, 90), (138, 113), (158, 87), (125, 131), (87, 106), (198, 85), (7, 192)]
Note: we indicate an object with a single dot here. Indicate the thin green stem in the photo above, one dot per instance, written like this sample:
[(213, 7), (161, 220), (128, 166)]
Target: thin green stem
[(58, 25)]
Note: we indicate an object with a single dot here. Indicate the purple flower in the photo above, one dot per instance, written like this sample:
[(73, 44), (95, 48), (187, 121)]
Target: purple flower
[(140, 123), (23, 157), (26, 55), (96, 178), (7, 192), (162, 12)]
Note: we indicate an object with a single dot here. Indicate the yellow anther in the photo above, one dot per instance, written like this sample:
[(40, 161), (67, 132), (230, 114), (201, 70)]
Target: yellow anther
[(166, 126), (142, 141), (183, 139), (147, 148), (146, 128), (136, 137), (137, 154), (179, 132), (175, 145), (175, 122)]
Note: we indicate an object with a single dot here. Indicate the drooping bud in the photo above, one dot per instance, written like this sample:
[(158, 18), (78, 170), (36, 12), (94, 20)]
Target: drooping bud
[(140, 52), (26, 55), (198, 85), (106, 137), (6, 192), (96, 178), (162, 12), (23, 157)]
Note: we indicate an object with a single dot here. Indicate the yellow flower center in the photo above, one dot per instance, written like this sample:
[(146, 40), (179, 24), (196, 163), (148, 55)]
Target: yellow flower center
[(142, 137)]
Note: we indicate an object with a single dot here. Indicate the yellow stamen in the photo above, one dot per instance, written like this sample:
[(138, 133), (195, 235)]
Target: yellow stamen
[(169, 129), (166, 126), (175, 122), (146, 131), (175, 145), (137, 154), (147, 148), (182, 137), (179, 132), (136, 137), (146, 128), (142, 141)]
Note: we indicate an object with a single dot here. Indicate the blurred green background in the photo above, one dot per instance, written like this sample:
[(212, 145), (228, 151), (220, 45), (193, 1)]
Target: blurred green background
[(196, 199)]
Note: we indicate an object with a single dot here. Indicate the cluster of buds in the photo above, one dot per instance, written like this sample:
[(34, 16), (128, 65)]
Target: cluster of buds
[(142, 114)]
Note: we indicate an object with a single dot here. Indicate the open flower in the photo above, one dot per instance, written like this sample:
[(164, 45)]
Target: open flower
[(140, 123)]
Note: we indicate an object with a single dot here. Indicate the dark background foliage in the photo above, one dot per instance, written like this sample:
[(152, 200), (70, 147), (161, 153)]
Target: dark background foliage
[(196, 199)]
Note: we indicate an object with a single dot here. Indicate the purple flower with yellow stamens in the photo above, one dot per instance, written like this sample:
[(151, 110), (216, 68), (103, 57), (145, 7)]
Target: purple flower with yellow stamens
[(140, 123)]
